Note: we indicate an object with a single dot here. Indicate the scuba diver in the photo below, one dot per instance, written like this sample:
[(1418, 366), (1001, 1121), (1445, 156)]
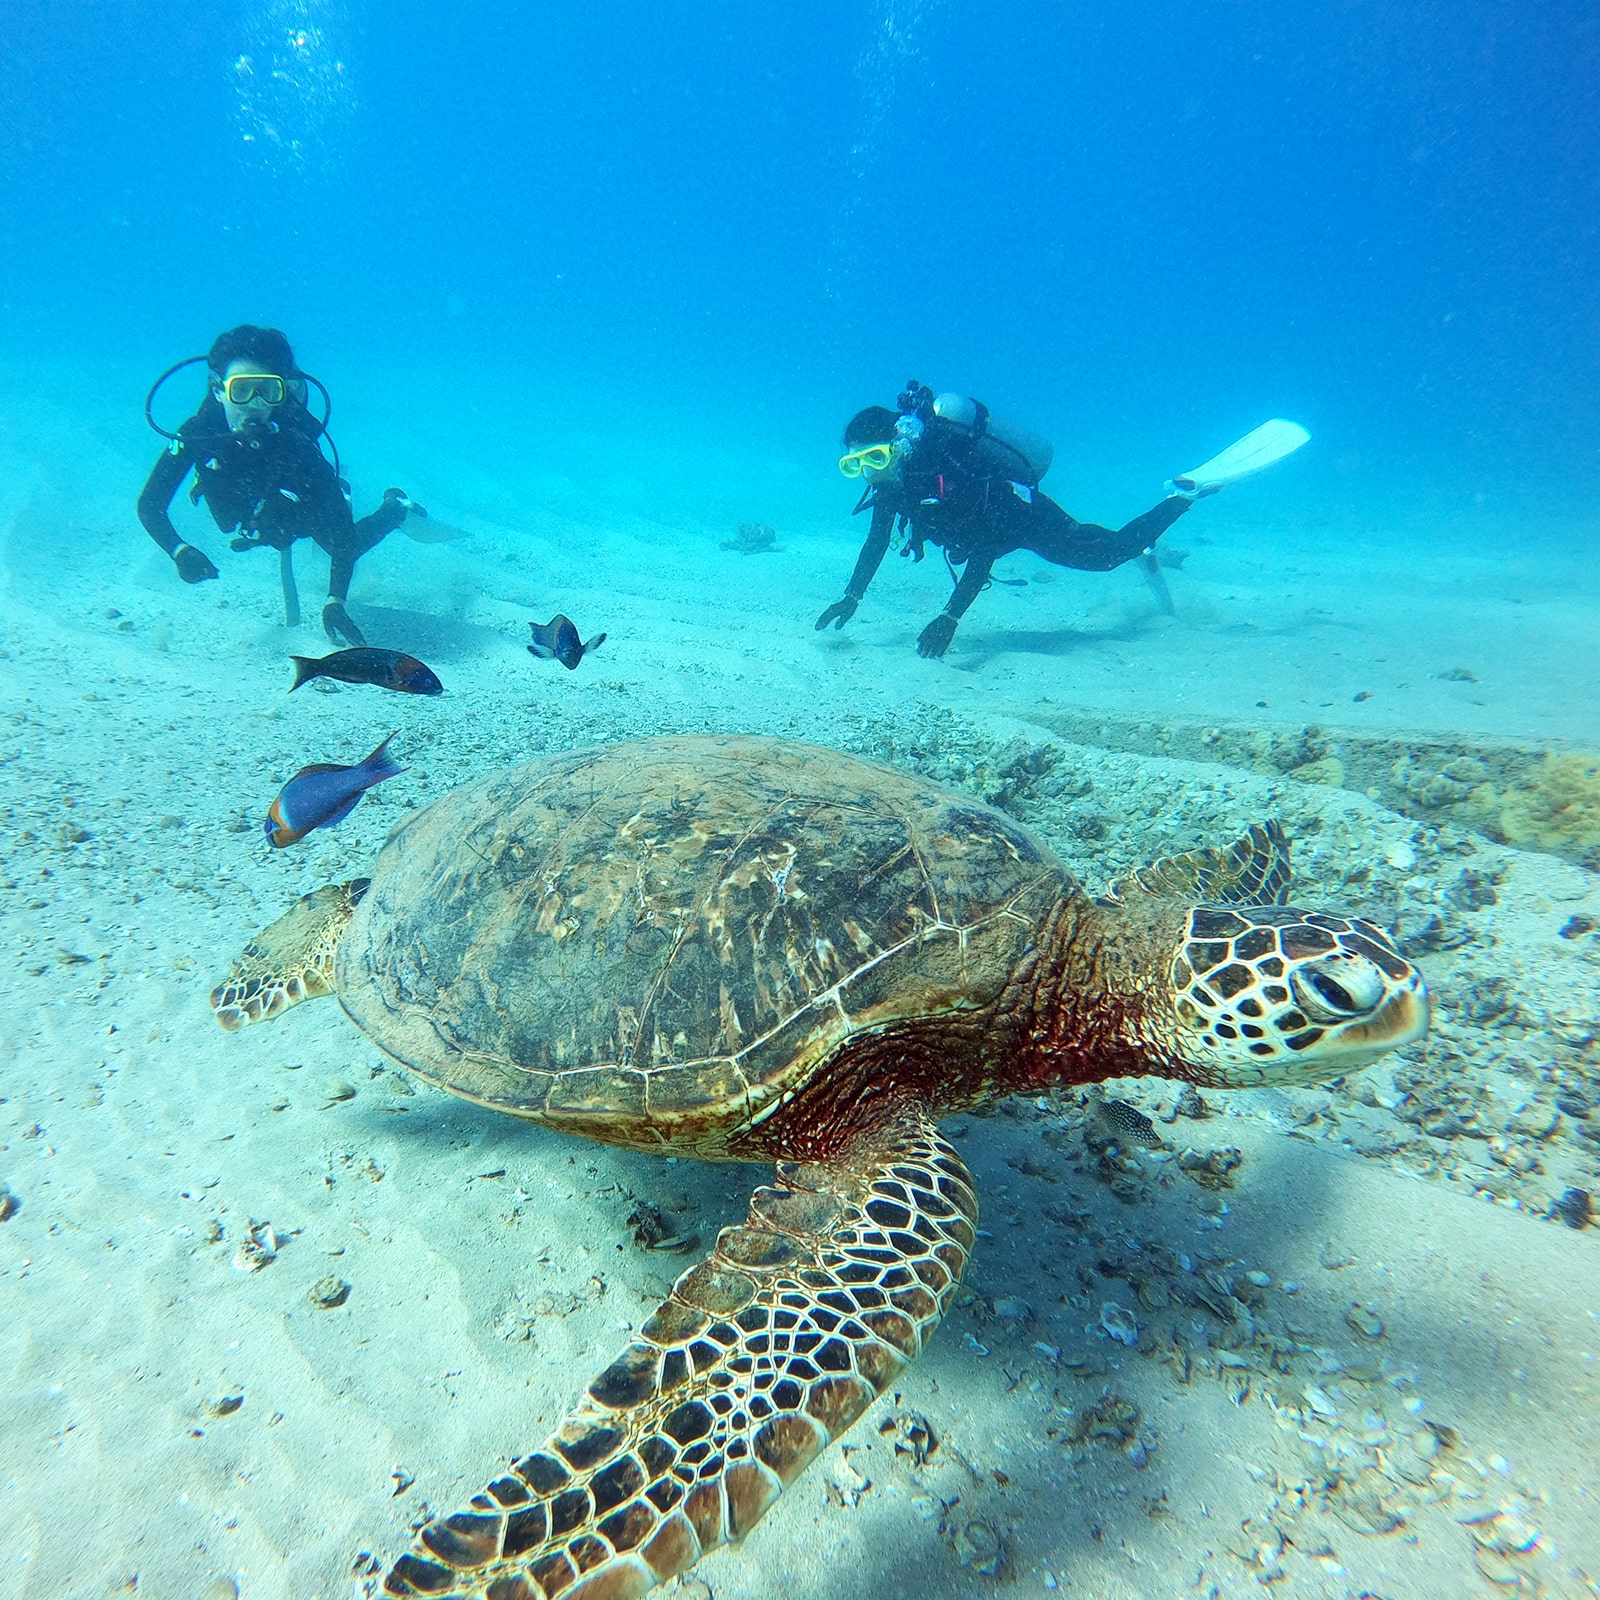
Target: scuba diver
[(950, 473), (255, 449)]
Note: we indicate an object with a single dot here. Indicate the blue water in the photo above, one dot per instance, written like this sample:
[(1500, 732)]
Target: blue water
[(705, 235)]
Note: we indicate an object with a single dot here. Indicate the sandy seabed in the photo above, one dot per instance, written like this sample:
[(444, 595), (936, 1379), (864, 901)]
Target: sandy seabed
[(1365, 1360)]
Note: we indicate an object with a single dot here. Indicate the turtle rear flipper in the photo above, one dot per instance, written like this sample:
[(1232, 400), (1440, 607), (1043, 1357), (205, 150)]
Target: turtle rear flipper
[(290, 961), (762, 1355)]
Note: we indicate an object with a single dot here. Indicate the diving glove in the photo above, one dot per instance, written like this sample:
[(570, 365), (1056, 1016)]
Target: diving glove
[(337, 625), (194, 566), (935, 639), (839, 613)]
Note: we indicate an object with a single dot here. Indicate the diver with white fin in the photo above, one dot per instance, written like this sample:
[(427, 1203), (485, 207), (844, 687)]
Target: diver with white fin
[(944, 470)]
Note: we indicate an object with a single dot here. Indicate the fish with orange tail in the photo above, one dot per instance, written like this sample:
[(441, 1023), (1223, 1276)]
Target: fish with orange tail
[(321, 795), (389, 669)]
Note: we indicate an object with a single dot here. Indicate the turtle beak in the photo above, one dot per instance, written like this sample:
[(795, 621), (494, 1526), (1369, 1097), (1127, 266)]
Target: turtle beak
[(1401, 1020)]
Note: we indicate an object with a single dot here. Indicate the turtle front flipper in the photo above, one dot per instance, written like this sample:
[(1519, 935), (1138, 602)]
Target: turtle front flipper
[(290, 961), (762, 1354), (1253, 870)]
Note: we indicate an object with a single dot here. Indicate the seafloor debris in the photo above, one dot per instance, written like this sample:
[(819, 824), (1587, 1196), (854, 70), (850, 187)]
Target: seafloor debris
[(1575, 1208), (979, 1545), (1027, 772), (845, 1483), (258, 1249), (1365, 1321), (1111, 1420), (752, 539), (326, 1293), (912, 1435), (1361, 1459), (653, 1230), (1119, 1323), (1214, 1170)]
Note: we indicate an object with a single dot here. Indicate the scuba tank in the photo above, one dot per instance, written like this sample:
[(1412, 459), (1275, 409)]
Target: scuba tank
[(997, 447)]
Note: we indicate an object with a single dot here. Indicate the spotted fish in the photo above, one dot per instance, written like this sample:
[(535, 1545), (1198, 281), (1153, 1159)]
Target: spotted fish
[(1126, 1123)]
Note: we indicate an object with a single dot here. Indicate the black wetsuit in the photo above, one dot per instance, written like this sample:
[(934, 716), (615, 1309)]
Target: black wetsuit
[(272, 484), (952, 495)]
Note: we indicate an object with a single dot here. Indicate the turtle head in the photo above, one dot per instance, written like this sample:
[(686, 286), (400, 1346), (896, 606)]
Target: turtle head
[(1266, 994)]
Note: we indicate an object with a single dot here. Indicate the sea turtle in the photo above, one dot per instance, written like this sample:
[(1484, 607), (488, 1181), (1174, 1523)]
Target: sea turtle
[(752, 949)]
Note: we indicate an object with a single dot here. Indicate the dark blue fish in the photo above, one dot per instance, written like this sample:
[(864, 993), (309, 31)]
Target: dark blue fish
[(319, 796), (389, 669), (557, 640)]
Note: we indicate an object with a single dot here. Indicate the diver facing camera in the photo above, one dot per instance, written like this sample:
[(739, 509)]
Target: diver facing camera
[(257, 453), (947, 472)]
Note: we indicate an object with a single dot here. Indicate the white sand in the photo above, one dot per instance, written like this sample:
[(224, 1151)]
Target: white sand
[(146, 728)]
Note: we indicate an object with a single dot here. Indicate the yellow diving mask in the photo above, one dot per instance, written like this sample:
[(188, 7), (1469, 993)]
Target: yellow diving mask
[(872, 458), (243, 387)]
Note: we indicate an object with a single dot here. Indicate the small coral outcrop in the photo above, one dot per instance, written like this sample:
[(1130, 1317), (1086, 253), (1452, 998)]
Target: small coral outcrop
[(1557, 808)]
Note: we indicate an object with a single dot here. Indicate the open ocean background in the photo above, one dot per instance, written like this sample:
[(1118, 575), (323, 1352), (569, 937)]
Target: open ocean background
[(648, 258)]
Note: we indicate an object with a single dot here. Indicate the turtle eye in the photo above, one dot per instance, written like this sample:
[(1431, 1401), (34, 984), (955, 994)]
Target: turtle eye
[(1338, 987)]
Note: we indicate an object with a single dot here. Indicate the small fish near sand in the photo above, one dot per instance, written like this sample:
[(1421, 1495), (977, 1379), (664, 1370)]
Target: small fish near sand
[(557, 640), (389, 669), (1126, 1124), (321, 795)]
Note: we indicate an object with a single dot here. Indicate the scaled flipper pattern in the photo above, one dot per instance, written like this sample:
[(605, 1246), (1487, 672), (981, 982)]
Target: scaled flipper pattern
[(760, 1357), (290, 961), (1254, 870)]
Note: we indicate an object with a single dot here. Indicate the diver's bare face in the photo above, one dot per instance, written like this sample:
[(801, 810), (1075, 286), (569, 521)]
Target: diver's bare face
[(254, 413)]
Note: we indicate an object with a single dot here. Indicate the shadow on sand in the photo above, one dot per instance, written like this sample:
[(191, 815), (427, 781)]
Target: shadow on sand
[(434, 638), (1041, 642)]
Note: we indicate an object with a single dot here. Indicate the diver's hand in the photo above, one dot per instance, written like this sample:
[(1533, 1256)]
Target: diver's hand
[(935, 639), (337, 625), (839, 613), (194, 566)]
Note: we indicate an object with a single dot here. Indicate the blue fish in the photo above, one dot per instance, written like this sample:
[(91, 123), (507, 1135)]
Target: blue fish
[(557, 640), (319, 796)]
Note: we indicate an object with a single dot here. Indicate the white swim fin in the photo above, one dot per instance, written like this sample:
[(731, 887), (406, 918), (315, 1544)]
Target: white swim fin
[(1272, 441), (430, 530)]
